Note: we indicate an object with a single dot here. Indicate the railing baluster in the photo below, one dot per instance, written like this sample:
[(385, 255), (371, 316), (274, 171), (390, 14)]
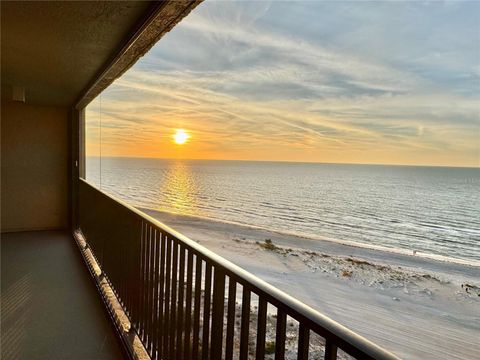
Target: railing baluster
[(188, 307), (303, 342), (330, 350), (245, 324), (196, 309), (160, 329), (151, 253), (123, 298), (127, 270), (136, 283), (280, 335), (181, 286), (156, 282), (173, 306), (140, 283), (232, 297), (206, 310), (132, 251), (261, 328), (118, 269), (166, 314), (218, 307), (122, 279), (144, 281)]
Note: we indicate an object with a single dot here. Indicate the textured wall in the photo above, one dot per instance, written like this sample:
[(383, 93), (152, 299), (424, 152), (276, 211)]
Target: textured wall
[(34, 164)]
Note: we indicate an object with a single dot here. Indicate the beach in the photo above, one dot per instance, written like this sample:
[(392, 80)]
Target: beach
[(414, 306)]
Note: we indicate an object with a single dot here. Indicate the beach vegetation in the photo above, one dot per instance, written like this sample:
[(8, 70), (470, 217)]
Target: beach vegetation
[(269, 347), (358, 262), (269, 245), (347, 273)]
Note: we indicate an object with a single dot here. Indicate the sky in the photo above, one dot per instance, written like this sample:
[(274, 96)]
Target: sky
[(381, 82)]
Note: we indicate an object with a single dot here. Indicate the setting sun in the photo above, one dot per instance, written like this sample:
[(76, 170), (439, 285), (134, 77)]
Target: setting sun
[(180, 137)]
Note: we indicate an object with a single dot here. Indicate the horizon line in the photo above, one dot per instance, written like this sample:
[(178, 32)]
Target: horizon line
[(291, 162)]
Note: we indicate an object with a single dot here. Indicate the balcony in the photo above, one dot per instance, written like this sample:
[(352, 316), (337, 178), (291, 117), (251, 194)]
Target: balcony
[(50, 309), (184, 301), (155, 293)]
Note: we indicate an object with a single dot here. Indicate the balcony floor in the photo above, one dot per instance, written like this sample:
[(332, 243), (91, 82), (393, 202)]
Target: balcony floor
[(50, 306)]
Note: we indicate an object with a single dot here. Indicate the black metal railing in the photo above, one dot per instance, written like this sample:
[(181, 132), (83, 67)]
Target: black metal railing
[(186, 302)]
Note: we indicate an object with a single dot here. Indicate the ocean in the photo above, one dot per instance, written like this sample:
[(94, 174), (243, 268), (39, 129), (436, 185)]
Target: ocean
[(434, 211)]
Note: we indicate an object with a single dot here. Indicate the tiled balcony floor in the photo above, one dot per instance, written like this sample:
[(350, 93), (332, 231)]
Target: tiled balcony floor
[(50, 308)]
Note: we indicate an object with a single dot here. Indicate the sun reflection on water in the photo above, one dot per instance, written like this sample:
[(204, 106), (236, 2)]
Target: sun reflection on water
[(180, 190)]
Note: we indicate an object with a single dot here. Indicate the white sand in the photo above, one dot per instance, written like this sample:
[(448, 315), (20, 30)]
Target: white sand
[(412, 306)]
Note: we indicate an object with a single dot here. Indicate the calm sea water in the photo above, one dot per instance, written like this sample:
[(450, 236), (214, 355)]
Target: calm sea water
[(431, 210)]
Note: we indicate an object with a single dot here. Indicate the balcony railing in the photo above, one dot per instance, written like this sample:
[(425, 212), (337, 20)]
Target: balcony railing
[(182, 299)]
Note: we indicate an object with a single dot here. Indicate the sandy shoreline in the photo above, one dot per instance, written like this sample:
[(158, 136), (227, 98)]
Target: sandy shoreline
[(414, 306)]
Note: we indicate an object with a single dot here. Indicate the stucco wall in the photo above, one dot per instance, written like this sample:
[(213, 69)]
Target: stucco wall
[(34, 165)]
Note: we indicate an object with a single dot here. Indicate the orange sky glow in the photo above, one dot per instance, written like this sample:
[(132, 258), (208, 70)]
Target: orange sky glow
[(322, 91)]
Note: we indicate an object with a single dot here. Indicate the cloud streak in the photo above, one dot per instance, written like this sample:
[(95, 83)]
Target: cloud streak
[(304, 81)]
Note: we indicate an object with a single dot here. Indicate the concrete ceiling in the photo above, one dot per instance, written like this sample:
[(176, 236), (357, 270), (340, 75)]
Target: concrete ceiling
[(56, 49)]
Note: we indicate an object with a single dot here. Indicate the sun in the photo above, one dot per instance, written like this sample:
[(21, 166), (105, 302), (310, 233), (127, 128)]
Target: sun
[(180, 137)]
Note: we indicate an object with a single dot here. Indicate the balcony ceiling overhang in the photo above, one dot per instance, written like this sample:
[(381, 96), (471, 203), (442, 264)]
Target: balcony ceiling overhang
[(56, 50)]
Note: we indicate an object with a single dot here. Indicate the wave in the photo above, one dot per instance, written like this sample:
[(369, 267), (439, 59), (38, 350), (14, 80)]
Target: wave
[(401, 251)]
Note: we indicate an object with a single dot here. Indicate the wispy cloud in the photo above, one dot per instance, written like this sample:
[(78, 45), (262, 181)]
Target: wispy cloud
[(394, 82)]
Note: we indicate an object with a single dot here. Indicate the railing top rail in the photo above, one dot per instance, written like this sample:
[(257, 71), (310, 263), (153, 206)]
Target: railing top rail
[(346, 338)]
